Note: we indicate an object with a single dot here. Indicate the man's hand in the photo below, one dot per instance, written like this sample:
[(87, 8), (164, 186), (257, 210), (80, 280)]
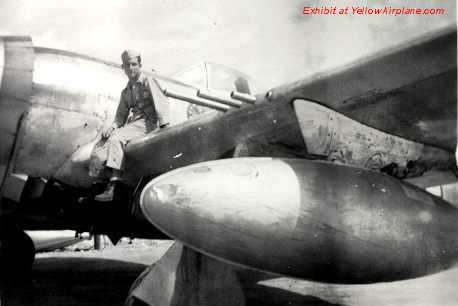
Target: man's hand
[(107, 132)]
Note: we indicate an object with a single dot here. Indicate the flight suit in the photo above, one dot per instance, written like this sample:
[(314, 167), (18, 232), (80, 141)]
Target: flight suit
[(142, 109)]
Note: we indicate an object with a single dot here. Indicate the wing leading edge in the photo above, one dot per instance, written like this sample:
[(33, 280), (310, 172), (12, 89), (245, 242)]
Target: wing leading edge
[(409, 91)]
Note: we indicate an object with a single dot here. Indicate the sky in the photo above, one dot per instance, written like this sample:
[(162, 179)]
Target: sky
[(270, 40)]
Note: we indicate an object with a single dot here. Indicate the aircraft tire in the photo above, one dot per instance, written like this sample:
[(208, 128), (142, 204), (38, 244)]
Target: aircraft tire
[(17, 254)]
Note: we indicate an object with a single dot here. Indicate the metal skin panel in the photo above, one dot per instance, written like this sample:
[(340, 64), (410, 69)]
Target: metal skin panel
[(273, 115), (73, 98), (51, 136), (182, 145), (2, 60), (308, 219), (339, 138), (16, 68), (208, 137), (409, 91), (19, 61)]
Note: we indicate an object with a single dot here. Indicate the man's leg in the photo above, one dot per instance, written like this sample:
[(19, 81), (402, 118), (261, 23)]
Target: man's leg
[(115, 160), (115, 154)]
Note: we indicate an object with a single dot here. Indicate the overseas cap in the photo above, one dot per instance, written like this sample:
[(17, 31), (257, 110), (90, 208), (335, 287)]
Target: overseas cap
[(129, 54)]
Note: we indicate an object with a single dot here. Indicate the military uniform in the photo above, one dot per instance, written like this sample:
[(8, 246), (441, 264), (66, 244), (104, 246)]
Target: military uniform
[(142, 109)]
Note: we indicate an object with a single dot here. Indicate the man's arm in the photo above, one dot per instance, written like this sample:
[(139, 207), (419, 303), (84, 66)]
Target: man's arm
[(122, 112), (161, 104)]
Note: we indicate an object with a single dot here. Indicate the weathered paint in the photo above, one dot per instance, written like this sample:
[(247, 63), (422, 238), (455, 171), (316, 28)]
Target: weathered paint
[(208, 137), (3, 164), (65, 99), (339, 138), (68, 87), (2, 60), (273, 116), (73, 97), (409, 91), (16, 68), (307, 219), (51, 136)]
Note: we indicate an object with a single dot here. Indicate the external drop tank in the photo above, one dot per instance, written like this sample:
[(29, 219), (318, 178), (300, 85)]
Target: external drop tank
[(308, 219)]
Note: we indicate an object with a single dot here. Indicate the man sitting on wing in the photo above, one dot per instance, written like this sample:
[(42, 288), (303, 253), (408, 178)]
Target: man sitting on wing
[(140, 111)]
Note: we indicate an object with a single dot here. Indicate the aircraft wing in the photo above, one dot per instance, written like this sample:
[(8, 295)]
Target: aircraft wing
[(405, 98), (393, 112), (409, 91), (327, 214)]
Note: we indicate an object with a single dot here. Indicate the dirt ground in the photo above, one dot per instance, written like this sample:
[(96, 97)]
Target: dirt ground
[(83, 276)]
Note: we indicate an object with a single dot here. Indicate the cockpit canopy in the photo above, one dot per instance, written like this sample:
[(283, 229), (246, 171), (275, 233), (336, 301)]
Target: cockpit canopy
[(206, 76)]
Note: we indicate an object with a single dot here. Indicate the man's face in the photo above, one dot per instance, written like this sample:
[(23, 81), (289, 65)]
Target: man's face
[(131, 68)]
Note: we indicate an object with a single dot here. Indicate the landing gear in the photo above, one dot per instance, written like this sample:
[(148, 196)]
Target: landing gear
[(17, 254), (186, 277)]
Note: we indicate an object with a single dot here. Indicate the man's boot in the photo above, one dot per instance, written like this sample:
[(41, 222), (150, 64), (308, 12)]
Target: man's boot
[(108, 194)]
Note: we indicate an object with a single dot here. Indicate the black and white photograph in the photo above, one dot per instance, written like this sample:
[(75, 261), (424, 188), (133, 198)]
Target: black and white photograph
[(276, 152)]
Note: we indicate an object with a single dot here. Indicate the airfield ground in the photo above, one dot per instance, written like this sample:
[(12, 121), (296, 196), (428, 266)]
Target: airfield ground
[(82, 276)]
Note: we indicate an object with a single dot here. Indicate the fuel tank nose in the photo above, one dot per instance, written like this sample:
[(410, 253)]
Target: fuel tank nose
[(307, 219)]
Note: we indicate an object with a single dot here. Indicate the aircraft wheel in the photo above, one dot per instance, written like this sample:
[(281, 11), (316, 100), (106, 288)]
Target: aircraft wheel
[(17, 254)]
